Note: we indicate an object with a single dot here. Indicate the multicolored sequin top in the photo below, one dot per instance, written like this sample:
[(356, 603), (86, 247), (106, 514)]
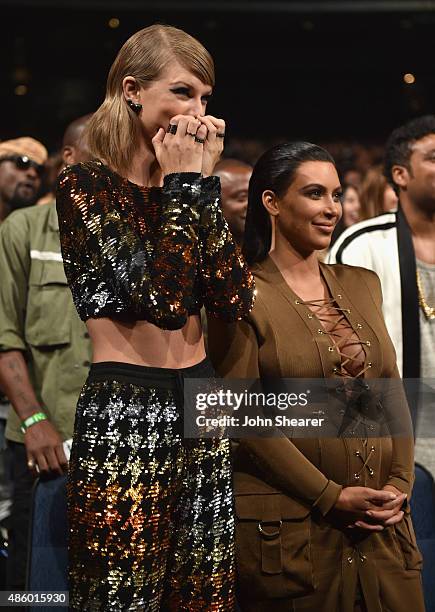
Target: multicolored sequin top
[(156, 254)]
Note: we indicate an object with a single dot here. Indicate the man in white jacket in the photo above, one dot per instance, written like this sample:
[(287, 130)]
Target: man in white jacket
[(400, 248)]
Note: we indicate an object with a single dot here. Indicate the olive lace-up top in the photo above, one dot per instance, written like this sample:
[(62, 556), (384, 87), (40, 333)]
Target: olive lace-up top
[(156, 254), (343, 338)]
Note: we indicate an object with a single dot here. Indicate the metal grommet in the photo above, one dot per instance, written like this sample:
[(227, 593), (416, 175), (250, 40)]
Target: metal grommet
[(350, 560), (320, 331), (297, 302), (310, 316), (339, 296), (330, 349), (368, 343), (265, 534), (356, 476)]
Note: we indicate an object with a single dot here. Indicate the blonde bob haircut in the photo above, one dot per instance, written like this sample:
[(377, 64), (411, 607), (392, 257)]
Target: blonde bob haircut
[(114, 130)]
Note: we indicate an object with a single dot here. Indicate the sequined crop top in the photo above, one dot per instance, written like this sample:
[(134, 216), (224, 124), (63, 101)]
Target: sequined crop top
[(156, 254)]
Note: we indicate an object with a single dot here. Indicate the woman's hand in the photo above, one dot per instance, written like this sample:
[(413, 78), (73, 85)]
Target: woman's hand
[(180, 149), (362, 499), (376, 509), (390, 514), (214, 144)]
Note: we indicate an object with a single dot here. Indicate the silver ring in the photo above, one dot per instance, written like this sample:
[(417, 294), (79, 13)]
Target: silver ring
[(265, 534)]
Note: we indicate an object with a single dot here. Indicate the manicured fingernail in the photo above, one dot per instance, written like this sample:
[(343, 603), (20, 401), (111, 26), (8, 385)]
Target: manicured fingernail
[(369, 513)]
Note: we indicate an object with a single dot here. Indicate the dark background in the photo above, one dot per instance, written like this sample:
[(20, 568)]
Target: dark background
[(323, 71)]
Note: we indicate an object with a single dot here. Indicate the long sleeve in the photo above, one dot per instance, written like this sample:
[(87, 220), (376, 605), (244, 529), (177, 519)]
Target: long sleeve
[(227, 284), (394, 403), (117, 260), (234, 351), (14, 272), (402, 463)]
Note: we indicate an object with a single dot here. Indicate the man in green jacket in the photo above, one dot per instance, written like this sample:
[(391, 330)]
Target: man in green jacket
[(44, 354)]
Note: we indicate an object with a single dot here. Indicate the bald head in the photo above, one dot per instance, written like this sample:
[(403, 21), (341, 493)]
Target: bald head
[(234, 175), (229, 164), (74, 149)]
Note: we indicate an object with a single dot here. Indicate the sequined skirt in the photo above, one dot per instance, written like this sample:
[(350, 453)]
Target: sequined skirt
[(150, 513)]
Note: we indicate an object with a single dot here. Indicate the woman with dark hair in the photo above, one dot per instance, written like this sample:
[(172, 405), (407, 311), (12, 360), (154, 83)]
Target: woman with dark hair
[(145, 245), (322, 522)]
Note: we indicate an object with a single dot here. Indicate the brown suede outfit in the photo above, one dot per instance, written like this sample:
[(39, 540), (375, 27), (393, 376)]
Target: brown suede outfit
[(315, 563)]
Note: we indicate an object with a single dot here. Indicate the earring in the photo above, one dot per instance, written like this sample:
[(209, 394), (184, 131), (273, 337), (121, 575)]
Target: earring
[(135, 107)]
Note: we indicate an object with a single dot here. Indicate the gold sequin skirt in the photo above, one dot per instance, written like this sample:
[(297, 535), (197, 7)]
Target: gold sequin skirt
[(150, 513)]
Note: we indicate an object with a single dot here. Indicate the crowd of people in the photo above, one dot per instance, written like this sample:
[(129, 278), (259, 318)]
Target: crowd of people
[(145, 253)]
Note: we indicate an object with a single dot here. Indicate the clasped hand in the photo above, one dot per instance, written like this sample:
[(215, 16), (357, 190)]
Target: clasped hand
[(190, 144), (371, 509)]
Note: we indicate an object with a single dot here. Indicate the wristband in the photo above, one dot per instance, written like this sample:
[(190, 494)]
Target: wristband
[(31, 420)]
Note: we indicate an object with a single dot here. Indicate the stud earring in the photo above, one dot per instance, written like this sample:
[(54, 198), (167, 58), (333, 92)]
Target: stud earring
[(135, 107)]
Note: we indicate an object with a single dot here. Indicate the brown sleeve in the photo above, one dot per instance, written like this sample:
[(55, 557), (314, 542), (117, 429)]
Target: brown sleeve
[(402, 464), (373, 283), (234, 350), (397, 410)]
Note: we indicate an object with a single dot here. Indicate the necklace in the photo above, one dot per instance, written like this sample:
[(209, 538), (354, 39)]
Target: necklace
[(429, 311)]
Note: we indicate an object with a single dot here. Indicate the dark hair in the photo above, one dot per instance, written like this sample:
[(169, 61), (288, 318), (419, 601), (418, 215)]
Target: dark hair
[(274, 171), (399, 145)]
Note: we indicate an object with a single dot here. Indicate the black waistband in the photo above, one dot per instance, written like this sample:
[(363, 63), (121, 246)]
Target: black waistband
[(147, 376)]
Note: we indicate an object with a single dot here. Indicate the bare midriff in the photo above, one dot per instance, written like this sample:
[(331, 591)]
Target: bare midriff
[(145, 344)]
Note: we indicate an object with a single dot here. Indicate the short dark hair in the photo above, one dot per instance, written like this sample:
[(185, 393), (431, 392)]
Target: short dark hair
[(399, 145), (274, 171)]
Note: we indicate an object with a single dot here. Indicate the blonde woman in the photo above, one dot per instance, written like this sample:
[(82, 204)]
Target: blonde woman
[(145, 246)]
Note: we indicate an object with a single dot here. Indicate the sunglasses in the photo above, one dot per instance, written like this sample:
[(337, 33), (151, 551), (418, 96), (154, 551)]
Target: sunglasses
[(23, 162)]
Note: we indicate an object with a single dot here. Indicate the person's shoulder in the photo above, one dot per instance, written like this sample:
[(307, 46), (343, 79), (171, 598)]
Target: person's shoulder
[(363, 229), (27, 217), (349, 271), (354, 277), (83, 173), (360, 242)]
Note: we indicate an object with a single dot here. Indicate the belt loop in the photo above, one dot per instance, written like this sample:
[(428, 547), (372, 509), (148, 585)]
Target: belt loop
[(270, 530)]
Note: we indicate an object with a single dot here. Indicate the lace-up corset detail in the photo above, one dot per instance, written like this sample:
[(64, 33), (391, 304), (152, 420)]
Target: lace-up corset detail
[(342, 335)]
